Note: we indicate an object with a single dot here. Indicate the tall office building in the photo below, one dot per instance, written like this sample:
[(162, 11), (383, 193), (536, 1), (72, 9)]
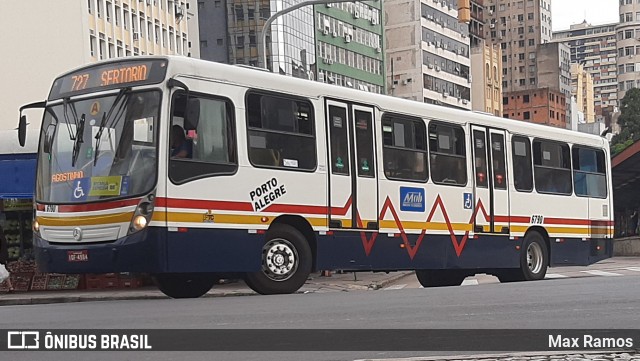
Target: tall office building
[(49, 37), (628, 34), (427, 52), (231, 32), (594, 47), (349, 45)]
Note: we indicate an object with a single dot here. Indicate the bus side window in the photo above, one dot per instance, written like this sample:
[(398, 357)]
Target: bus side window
[(522, 174), (552, 167), (206, 125), (448, 154), (589, 172), (404, 148), (280, 131)]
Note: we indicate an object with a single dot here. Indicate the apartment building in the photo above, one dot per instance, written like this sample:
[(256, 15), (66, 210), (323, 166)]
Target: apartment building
[(349, 45), (594, 47), (486, 89), (628, 44), (427, 52), (519, 27), (582, 89), (48, 37)]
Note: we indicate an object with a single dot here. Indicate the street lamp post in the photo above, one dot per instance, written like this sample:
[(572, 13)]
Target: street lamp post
[(286, 11)]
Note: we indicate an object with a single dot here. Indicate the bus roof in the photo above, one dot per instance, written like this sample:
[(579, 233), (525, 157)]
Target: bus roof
[(244, 76)]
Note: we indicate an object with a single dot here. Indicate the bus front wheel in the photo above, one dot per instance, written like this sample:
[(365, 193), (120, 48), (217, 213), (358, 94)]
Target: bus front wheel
[(184, 285), (440, 278), (286, 262)]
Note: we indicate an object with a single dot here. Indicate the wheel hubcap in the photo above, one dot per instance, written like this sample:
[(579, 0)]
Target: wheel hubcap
[(534, 258), (279, 259)]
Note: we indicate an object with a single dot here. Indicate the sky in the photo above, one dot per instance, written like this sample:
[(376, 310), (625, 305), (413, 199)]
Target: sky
[(567, 12)]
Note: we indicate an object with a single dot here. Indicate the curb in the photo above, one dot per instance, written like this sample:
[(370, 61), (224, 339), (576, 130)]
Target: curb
[(234, 293)]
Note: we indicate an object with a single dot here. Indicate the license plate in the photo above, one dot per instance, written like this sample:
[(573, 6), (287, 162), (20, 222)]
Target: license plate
[(78, 256)]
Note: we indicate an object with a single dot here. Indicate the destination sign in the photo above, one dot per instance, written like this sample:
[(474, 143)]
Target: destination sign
[(109, 76)]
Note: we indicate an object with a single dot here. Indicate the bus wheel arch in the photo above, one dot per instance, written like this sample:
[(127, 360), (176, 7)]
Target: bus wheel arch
[(286, 260), (535, 253), (545, 235)]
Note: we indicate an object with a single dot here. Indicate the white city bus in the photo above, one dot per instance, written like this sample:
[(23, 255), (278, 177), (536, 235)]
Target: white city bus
[(192, 170)]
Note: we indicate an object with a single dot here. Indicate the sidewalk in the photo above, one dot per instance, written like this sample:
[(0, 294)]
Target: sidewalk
[(316, 283)]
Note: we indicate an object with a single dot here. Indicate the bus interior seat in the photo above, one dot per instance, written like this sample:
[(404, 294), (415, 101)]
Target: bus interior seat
[(265, 156)]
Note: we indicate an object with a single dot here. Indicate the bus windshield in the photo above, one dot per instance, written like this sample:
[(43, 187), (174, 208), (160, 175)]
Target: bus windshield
[(99, 148)]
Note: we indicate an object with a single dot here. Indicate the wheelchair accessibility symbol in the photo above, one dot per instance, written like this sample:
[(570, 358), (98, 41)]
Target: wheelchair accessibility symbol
[(81, 190), (468, 201), (78, 192)]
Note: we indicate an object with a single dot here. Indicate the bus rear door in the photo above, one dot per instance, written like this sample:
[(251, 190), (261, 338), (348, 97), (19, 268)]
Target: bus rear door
[(490, 181), (353, 187)]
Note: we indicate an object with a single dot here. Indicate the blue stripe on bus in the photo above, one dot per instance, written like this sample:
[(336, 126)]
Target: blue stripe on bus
[(216, 250)]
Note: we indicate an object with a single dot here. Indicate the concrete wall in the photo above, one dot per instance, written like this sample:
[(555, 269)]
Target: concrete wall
[(626, 247)]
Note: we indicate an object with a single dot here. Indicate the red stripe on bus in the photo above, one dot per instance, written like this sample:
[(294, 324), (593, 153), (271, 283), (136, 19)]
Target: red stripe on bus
[(200, 204)]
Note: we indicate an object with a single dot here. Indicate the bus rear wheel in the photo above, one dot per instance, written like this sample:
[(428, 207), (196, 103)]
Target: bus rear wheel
[(534, 261), (440, 278), (184, 285), (286, 262)]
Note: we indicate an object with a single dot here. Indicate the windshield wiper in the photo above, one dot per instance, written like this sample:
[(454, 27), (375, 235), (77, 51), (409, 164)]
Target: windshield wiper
[(66, 119), (79, 139), (105, 117)]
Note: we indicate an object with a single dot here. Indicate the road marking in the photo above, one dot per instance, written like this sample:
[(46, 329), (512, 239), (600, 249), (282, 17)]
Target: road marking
[(601, 273), (395, 287), (635, 269), (470, 282), (555, 275)]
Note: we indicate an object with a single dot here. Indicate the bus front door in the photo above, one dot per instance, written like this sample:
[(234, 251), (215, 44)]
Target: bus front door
[(353, 187), (490, 181)]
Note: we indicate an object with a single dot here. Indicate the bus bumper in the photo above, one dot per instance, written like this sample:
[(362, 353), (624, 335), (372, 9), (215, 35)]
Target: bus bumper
[(139, 252)]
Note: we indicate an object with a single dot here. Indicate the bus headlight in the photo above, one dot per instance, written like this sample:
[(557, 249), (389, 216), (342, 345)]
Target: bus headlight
[(36, 226), (142, 214), (139, 222)]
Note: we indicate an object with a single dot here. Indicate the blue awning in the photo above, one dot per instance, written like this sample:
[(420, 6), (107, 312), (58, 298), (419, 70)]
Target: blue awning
[(17, 175)]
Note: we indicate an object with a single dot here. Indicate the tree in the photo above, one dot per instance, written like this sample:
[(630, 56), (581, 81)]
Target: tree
[(629, 122)]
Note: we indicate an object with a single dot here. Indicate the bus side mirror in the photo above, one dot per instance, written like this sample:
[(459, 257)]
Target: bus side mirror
[(22, 130)]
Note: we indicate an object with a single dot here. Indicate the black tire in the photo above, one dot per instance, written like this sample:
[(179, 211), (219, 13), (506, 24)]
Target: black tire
[(286, 262), (534, 261), (184, 285), (440, 278), (510, 275)]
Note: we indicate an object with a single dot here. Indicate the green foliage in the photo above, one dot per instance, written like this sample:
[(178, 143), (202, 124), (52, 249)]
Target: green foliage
[(629, 122)]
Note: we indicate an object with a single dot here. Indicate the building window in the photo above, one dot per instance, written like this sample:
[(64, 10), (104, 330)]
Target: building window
[(525, 98), (526, 115)]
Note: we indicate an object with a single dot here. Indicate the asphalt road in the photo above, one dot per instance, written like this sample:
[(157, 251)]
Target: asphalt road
[(597, 302)]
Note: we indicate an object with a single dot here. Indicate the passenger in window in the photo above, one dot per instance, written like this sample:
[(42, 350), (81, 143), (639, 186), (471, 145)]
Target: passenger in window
[(180, 146)]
